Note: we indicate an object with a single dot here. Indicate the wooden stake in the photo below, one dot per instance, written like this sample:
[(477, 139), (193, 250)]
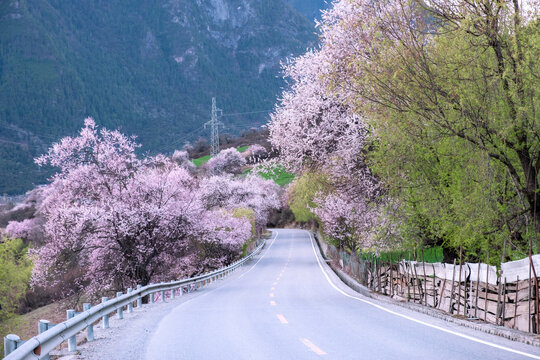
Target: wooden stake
[(530, 294), (425, 282), (459, 282), (442, 293), (414, 282), (486, 291), (477, 290), (516, 301), (391, 277), (452, 291), (434, 293), (536, 294), (408, 285), (503, 310), (499, 312)]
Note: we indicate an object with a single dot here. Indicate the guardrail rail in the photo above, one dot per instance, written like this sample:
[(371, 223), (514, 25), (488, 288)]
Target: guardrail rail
[(51, 335)]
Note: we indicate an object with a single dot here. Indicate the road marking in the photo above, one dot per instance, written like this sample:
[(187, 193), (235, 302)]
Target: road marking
[(272, 303), (275, 283), (282, 319), (271, 294), (272, 243), (468, 337), (273, 288), (312, 347)]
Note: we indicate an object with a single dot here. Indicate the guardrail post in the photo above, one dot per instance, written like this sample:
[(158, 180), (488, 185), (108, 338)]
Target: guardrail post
[(139, 300), (90, 327), (105, 317), (130, 305), (151, 298), (173, 295), (120, 310), (10, 343), (72, 341), (43, 325), (162, 295)]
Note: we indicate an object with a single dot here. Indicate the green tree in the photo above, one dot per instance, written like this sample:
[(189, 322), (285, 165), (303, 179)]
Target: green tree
[(452, 90), (15, 272), (302, 193)]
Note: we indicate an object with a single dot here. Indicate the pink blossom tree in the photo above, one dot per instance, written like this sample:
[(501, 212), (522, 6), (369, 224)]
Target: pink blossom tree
[(181, 157), (316, 129), (120, 220), (252, 192), (228, 161), (256, 153)]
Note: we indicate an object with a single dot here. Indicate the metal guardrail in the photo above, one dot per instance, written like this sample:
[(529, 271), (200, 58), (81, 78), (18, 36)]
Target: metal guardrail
[(41, 345)]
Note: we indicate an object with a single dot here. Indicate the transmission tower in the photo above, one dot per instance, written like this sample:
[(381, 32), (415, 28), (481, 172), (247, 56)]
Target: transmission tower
[(214, 124)]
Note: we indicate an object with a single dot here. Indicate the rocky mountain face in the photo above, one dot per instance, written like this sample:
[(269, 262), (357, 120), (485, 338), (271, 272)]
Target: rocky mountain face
[(149, 68), (311, 9)]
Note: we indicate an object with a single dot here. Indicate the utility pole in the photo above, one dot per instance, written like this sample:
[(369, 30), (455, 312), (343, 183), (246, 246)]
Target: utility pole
[(214, 124)]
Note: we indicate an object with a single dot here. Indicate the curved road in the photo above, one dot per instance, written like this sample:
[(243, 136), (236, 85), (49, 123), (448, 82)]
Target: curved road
[(288, 305)]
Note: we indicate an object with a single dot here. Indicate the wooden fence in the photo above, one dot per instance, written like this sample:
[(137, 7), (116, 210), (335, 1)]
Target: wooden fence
[(508, 297)]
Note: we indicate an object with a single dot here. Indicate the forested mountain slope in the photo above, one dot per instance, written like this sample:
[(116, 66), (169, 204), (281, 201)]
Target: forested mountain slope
[(147, 67)]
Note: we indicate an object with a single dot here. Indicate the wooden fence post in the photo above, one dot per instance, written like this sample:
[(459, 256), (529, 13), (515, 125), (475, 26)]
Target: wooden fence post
[(486, 290), (434, 291), (452, 289), (391, 276), (425, 281), (477, 290), (499, 289), (459, 281), (516, 301)]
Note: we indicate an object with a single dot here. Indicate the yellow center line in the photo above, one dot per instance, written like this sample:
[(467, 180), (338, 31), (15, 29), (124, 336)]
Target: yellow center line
[(282, 319), (312, 347), (272, 303), (271, 294), (273, 288)]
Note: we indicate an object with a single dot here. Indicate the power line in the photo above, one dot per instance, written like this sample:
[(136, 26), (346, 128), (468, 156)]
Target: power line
[(247, 113)]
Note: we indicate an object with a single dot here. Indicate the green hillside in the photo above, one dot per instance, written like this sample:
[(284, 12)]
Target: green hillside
[(149, 68)]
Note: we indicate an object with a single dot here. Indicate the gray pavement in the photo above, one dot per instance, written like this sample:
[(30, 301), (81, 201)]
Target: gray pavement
[(287, 304)]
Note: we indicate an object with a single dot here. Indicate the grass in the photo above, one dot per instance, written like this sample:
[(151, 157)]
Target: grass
[(199, 161), (26, 325), (278, 174)]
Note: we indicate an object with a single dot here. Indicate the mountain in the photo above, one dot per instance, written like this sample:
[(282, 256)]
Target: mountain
[(311, 9), (148, 67)]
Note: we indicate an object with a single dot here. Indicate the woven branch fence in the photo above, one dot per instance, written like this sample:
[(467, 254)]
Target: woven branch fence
[(508, 297)]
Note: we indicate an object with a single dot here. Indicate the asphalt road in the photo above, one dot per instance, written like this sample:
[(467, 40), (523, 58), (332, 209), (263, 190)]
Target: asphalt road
[(287, 304)]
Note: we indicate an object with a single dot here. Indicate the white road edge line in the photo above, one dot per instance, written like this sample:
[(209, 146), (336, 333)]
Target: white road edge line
[(532, 356), (251, 268), (312, 347)]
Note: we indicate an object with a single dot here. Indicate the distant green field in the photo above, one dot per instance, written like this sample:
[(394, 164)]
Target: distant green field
[(199, 161)]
